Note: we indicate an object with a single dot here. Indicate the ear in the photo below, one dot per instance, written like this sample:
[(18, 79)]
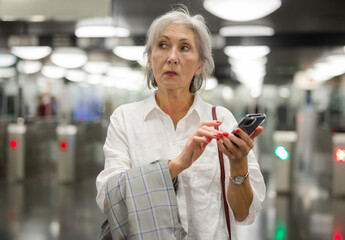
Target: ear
[(200, 67)]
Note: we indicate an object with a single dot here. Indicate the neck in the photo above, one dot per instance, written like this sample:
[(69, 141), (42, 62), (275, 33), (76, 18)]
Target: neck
[(175, 104)]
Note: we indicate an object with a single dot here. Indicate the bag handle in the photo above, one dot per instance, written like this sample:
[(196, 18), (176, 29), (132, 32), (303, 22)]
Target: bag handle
[(222, 178)]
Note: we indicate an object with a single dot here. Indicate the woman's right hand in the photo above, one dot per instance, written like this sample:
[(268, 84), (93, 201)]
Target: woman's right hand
[(195, 146)]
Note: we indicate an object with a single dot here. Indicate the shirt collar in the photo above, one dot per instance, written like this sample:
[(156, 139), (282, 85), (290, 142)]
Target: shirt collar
[(151, 104)]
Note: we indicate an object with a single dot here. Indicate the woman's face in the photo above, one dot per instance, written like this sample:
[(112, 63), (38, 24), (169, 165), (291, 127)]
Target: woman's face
[(175, 58)]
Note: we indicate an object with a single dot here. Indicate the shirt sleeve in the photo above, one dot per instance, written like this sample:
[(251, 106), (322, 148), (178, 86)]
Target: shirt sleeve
[(259, 189), (255, 176), (116, 153)]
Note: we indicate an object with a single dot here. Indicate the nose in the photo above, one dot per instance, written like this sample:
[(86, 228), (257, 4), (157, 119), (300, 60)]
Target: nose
[(172, 58)]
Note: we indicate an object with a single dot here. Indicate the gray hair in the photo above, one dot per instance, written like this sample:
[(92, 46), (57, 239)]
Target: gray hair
[(203, 39)]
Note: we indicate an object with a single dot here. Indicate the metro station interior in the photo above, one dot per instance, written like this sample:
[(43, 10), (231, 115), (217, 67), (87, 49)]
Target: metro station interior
[(59, 84)]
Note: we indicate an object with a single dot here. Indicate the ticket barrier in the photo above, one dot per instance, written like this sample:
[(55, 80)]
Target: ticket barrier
[(284, 147), (66, 135), (338, 180), (16, 151)]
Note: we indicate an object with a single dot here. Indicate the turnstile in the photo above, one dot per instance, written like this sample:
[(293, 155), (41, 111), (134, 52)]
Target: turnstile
[(16, 150), (66, 154), (338, 188), (284, 146)]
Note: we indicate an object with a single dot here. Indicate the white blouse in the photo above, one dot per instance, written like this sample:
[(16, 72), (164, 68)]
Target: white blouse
[(141, 132)]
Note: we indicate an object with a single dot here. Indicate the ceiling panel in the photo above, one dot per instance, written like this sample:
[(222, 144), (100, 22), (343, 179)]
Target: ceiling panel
[(59, 10), (305, 30)]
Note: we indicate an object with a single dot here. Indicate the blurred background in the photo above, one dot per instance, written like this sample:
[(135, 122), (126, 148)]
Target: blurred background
[(65, 65)]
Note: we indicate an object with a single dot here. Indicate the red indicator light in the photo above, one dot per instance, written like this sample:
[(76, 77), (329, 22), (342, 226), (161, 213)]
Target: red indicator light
[(63, 145), (337, 236), (13, 144), (339, 155)]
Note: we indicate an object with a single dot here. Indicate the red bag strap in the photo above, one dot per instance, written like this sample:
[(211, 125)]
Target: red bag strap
[(222, 178)]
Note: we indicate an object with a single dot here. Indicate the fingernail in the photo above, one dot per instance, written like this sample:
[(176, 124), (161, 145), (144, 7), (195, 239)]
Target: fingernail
[(226, 134), (219, 122), (218, 139), (208, 140), (237, 130)]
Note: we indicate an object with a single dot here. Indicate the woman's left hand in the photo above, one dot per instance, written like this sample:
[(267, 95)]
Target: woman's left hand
[(238, 147)]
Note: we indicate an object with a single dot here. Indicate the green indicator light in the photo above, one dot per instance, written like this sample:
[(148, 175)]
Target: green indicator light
[(280, 233), (281, 153)]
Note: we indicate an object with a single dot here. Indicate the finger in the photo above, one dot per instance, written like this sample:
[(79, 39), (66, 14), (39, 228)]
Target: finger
[(225, 149), (236, 151), (202, 139), (256, 132), (211, 123), (209, 133), (237, 141), (240, 133)]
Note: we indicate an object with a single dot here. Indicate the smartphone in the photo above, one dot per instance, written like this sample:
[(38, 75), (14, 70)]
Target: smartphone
[(251, 121)]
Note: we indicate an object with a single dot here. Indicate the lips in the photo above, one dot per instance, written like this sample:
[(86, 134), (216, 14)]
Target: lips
[(171, 73)]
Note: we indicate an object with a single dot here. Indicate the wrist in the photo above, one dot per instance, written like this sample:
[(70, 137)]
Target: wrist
[(239, 179), (239, 168), (175, 168)]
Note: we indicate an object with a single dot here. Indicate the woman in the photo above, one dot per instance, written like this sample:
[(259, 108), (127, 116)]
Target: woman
[(176, 124)]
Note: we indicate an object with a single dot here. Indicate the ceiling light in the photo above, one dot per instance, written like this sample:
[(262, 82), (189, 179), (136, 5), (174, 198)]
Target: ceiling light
[(336, 59), (255, 92), (259, 71), (241, 10), (96, 67), (131, 53), (302, 80), (127, 78), (76, 75), (69, 57), (37, 18), (7, 60), (331, 66), (95, 79), (31, 52), (119, 72), (251, 78), (246, 52), (246, 31), (100, 27), (248, 62), (29, 67), (53, 72)]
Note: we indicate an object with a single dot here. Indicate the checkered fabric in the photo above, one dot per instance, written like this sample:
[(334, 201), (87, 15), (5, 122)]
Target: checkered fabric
[(141, 204)]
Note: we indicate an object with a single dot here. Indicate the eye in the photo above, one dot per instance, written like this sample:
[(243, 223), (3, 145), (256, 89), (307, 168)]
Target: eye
[(162, 45), (185, 48)]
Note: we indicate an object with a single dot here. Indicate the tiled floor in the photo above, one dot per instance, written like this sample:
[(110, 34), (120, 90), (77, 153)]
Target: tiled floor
[(39, 209), (42, 210)]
